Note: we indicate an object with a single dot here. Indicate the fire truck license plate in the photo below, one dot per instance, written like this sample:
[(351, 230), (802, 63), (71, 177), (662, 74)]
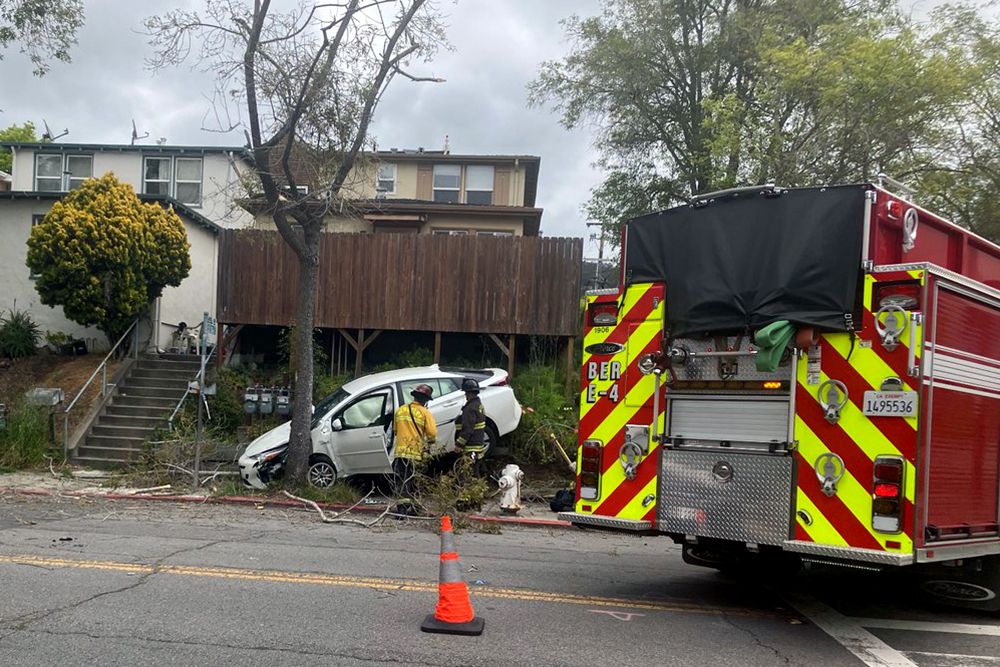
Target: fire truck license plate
[(890, 404)]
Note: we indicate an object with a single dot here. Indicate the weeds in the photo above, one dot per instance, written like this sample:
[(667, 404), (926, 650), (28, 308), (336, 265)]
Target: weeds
[(340, 493), (24, 441), (547, 413), (454, 492)]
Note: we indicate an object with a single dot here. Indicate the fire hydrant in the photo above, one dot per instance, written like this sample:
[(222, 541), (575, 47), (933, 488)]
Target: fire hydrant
[(510, 489)]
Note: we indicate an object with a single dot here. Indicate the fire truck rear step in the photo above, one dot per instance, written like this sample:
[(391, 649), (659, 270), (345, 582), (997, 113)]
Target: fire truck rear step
[(597, 521), (848, 553)]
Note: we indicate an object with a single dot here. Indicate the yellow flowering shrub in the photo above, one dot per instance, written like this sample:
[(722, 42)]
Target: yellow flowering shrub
[(104, 255)]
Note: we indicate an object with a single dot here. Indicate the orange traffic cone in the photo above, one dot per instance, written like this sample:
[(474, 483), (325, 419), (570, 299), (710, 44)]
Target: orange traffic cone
[(453, 615)]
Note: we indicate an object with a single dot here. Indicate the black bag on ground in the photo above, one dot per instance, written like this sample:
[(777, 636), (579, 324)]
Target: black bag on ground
[(563, 501)]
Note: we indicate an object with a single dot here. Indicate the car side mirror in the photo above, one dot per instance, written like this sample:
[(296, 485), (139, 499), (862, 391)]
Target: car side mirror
[(337, 425)]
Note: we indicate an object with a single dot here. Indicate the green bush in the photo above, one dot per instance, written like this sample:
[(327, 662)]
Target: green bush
[(24, 441), (416, 356), (19, 335), (547, 411), (287, 352), (324, 385)]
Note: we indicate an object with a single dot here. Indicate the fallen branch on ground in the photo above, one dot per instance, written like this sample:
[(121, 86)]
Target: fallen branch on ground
[(164, 487), (340, 517)]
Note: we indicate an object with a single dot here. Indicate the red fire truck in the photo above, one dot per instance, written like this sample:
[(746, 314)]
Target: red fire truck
[(807, 373)]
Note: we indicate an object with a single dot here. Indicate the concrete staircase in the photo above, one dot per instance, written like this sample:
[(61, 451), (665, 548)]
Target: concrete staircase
[(145, 399)]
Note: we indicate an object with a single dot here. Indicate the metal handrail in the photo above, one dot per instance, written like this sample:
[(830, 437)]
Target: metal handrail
[(103, 370), (187, 390)]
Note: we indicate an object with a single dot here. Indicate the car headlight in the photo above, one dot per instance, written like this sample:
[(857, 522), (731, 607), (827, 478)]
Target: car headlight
[(269, 455)]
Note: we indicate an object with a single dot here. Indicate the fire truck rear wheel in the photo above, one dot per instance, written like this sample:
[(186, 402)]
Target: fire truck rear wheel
[(706, 556)]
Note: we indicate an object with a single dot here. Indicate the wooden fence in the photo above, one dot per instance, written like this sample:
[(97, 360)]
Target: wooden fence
[(409, 282)]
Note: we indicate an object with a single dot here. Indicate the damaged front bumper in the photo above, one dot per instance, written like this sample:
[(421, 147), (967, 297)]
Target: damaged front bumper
[(258, 470)]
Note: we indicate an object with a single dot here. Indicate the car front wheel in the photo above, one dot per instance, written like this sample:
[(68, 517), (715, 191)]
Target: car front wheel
[(322, 473)]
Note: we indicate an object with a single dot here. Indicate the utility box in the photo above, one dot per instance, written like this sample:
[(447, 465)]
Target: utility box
[(43, 397)]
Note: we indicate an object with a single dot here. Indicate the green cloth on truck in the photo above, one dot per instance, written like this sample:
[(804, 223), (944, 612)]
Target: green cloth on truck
[(771, 342)]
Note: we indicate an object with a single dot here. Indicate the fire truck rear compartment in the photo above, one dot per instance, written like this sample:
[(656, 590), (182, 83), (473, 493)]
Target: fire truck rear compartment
[(726, 472)]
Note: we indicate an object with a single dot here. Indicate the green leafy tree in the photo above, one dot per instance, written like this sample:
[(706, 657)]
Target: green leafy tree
[(690, 96), (963, 182), (103, 255), (45, 29), (24, 132)]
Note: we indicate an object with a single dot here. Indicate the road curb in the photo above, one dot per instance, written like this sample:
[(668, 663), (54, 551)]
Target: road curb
[(274, 502)]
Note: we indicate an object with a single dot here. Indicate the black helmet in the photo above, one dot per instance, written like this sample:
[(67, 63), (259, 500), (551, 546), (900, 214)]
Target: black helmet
[(422, 391), (468, 384)]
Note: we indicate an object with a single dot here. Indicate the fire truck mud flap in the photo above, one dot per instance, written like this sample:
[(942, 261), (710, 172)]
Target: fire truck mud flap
[(729, 496)]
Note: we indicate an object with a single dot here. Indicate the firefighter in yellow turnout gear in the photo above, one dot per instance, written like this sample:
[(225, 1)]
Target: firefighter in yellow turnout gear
[(415, 430)]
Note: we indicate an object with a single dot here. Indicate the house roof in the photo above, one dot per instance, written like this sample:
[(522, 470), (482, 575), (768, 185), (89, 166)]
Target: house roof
[(169, 202), (118, 148)]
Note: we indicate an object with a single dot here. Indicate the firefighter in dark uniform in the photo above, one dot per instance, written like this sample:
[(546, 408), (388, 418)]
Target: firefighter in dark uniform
[(471, 436)]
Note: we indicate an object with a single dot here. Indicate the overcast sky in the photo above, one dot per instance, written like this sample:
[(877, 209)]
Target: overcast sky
[(498, 45)]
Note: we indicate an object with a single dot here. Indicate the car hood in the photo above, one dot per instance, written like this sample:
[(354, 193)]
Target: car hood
[(274, 438)]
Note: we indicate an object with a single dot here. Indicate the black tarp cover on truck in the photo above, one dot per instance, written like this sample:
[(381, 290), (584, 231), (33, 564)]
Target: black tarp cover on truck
[(745, 260)]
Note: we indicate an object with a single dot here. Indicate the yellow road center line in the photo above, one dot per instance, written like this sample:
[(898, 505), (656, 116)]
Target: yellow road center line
[(373, 582)]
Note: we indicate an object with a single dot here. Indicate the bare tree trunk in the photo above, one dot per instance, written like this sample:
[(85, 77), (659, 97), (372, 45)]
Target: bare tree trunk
[(300, 443)]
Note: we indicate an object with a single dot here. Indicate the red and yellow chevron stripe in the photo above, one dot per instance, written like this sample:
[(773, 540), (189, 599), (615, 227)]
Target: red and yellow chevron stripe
[(614, 393), (845, 519)]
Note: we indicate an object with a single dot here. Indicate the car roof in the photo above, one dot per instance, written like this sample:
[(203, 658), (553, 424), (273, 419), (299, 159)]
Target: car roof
[(366, 382)]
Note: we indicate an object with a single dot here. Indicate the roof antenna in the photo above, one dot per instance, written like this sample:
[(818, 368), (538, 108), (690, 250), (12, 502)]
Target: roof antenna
[(135, 133), (447, 145), (48, 136)]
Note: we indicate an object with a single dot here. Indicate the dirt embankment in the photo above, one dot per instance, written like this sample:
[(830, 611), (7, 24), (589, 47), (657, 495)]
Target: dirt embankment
[(18, 376)]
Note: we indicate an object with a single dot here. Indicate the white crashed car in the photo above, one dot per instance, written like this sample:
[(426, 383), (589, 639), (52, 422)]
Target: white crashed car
[(352, 427)]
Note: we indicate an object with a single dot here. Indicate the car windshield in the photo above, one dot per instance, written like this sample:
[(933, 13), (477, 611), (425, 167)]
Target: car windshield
[(327, 404)]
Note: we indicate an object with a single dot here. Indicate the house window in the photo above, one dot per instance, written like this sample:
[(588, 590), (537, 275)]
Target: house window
[(450, 232), (447, 182), (35, 220), (179, 178), (78, 169), (58, 173), (187, 177), (494, 233), (386, 179), (479, 184), (156, 176), (48, 173)]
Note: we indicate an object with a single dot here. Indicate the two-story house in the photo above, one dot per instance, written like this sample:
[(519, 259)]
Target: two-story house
[(435, 192), (199, 182)]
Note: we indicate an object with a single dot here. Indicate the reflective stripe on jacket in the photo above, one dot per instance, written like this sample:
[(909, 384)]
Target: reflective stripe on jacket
[(472, 425), (415, 429)]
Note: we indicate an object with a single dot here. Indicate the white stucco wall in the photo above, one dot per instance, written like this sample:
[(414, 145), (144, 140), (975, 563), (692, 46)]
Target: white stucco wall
[(220, 180), (195, 295), (18, 289)]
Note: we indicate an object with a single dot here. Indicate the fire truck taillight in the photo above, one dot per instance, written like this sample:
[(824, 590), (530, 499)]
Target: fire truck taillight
[(603, 314), (887, 494), (590, 469)]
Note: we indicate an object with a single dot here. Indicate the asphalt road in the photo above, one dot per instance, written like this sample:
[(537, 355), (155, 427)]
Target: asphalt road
[(131, 583)]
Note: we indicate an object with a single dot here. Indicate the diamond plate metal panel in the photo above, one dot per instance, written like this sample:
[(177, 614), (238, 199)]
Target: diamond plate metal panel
[(727, 496), (599, 521)]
